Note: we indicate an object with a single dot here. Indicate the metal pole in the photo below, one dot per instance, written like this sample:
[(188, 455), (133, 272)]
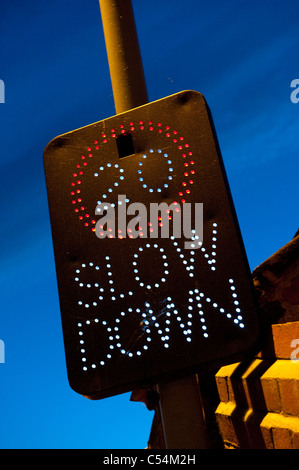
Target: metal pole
[(182, 414), (180, 401), (125, 63)]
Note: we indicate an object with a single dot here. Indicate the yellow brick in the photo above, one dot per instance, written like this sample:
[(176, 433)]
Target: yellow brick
[(273, 420), (284, 430), (228, 370), (282, 438), (284, 369), (223, 381), (280, 385), (289, 395), (224, 413), (271, 394), (283, 335), (296, 440), (267, 437), (232, 426), (226, 409)]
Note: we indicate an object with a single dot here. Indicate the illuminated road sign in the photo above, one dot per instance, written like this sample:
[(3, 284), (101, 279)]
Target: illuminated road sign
[(138, 308)]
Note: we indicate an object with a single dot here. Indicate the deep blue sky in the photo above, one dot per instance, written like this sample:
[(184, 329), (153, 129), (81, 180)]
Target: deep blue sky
[(242, 55)]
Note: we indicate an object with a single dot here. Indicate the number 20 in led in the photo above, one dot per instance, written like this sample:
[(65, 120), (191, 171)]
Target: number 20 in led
[(136, 310)]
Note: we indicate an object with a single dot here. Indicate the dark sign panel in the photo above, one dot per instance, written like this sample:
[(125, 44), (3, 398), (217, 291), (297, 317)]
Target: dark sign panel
[(152, 275)]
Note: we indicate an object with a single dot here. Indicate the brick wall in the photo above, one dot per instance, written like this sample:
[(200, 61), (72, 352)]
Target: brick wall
[(259, 399)]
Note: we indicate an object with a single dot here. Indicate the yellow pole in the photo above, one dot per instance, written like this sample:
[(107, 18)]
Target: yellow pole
[(180, 400), (125, 63)]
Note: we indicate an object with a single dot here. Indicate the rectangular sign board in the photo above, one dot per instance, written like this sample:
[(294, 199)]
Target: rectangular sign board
[(152, 274)]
